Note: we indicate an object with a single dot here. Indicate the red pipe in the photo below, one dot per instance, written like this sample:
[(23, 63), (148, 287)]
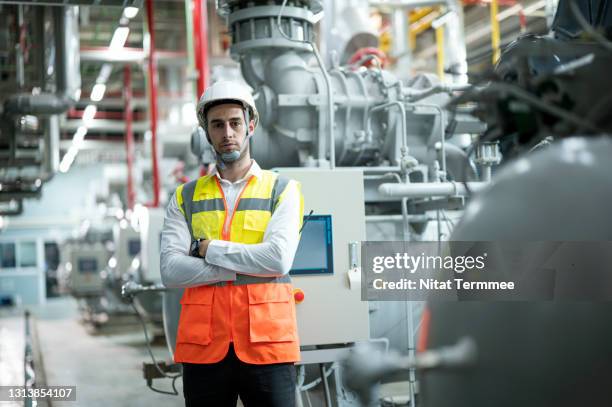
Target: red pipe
[(200, 43), (522, 21), (129, 135), (152, 71)]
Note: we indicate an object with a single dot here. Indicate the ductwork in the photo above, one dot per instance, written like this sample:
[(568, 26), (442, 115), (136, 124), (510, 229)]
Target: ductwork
[(30, 124)]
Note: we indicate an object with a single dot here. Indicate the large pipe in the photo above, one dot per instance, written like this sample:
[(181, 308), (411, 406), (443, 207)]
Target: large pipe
[(67, 71), (129, 134), (50, 161), (429, 189), (152, 71), (43, 103), (20, 49)]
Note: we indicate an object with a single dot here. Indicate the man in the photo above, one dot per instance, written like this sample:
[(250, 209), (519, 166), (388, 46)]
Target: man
[(237, 333)]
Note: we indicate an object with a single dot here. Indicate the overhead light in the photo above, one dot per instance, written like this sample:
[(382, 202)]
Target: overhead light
[(68, 159), (79, 136), (119, 37), (104, 74), (89, 114), (130, 12), (97, 93)]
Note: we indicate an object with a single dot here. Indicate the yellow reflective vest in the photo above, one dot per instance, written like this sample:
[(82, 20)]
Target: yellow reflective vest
[(257, 314)]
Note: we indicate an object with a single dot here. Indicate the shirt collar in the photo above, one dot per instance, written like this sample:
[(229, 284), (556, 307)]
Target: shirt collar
[(254, 170)]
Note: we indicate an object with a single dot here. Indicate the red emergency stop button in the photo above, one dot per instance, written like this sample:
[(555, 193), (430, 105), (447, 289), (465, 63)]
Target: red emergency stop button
[(298, 295)]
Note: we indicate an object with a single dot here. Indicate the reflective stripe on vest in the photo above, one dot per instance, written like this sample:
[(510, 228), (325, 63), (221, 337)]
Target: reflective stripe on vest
[(256, 313)]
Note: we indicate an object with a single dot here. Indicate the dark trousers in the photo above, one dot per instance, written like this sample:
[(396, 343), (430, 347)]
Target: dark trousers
[(220, 384)]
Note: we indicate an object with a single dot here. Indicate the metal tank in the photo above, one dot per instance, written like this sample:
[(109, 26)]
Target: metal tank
[(536, 353)]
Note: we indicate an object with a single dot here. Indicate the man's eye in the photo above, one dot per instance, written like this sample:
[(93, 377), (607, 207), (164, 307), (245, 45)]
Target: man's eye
[(236, 124), (218, 125)]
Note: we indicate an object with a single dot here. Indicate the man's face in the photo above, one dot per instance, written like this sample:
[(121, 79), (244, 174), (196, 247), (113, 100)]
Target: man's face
[(226, 127)]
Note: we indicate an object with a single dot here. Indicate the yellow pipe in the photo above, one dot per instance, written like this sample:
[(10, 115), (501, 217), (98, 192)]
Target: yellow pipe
[(440, 46), (424, 24), (417, 14), (495, 35)]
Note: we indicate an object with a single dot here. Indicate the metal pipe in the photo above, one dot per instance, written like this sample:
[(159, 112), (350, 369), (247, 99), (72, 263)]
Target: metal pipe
[(52, 149), (152, 72), (129, 134), (485, 175), (411, 354), (402, 109), (377, 170), (330, 107), (405, 224), (407, 4), (413, 96), (326, 391), (442, 133), (397, 218), (201, 43), (132, 289), (429, 189), (20, 49)]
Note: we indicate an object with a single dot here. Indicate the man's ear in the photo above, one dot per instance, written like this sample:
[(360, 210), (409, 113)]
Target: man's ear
[(251, 126)]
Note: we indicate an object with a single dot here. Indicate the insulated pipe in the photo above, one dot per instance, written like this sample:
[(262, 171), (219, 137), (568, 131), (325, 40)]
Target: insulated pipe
[(429, 189), (129, 135), (200, 31), (152, 72)]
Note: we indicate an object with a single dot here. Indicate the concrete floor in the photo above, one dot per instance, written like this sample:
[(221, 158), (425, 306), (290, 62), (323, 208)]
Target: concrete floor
[(106, 369), (12, 345)]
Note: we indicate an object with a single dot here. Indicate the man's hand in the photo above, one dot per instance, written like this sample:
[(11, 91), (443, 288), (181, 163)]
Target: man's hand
[(203, 247)]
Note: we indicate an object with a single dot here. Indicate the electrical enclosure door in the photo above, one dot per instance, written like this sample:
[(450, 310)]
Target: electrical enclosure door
[(331, 312)]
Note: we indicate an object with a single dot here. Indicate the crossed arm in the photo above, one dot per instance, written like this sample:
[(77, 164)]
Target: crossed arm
[(223, 259)]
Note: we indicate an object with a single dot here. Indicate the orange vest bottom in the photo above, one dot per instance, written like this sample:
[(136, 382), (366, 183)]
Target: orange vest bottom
[(258, 318)]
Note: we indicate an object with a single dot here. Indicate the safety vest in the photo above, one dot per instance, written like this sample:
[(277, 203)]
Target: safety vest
[(257, 314)]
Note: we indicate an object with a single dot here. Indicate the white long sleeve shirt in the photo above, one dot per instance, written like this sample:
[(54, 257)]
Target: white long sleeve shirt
[(272, 257)]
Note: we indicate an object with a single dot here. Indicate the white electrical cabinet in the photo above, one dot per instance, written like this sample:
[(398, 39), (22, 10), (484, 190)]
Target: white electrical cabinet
[(331, 311)]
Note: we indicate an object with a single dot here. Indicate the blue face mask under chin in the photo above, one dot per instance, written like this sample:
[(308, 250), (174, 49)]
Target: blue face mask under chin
[(230, 157)]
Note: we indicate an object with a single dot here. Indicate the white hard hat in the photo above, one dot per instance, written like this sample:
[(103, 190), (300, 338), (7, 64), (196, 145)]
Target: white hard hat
[(226, 91)]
